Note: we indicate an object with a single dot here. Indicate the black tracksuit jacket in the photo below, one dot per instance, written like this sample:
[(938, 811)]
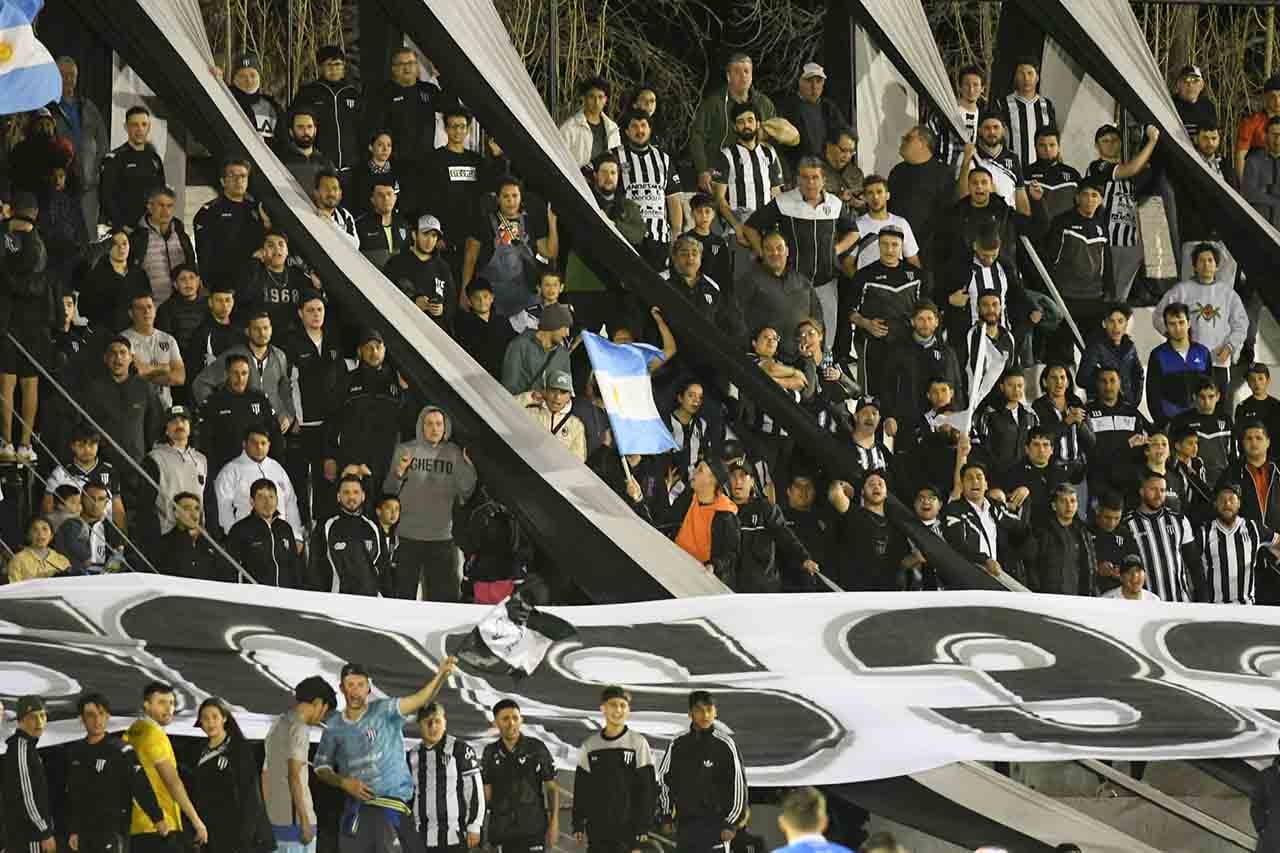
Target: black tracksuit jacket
[(701, 777), (100, 799), (27, 814)]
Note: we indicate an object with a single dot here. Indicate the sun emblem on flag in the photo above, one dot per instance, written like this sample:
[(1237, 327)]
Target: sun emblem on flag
[(6, 52)]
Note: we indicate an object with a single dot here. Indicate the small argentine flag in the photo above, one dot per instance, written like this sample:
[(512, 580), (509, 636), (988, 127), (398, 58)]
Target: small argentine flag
[(29, 78), (622, 372)]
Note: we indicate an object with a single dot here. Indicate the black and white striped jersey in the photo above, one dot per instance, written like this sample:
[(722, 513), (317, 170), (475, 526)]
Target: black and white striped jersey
[(647, 177), (1120, 204), (951, 146), (1022, 119), (448, 792), (1006, 172), (1231, 554), (1160, 537), (985, 280), (749, 176)]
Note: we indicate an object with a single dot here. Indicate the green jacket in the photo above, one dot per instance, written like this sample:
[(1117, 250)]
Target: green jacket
[(712, 129), (526, 362)]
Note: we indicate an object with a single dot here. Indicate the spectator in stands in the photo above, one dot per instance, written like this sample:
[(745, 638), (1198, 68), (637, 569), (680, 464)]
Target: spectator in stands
[(917, 360), (1025, 111), (66, 504), (1117, 427), (232, 485), (336, 104), (231, 410), (387, 512), (876, 193), (269, 372), (37, 560), (814, 116), (827, 386), (879, 304), (1252, 131), (714, 121), (159, 243), (364, 427), (156, 356), (1066, 562), (348, 552), (271, 283), (968, 523), (590, 132), (1077, 252), (621, 211), (702, 520), (1111, 539), (1173, 366), (1259, 406), (299, 152), (1233, 549), (549, 405), (155, 753), (706, 229), (1166, 544), (810, 522), (328, 201), (922, 185), (649, 178), (1030, 481), (550, 289), (104, 294), (229, 229), (383, 231), (747, 174), (406, 107), (1196, 224), (89, 541), (505, 246), (176, 467), (866, 547), (1056, 179), (1256, 479), (1218, 321), (1003, 426), (184, 551), (1260, 172), (983, 210), (989, 326), (264, 112), (1114, 349), (1187, 476), (767, 543), (431, 475), (216, 333), (378, 167), (122, 403), (840, 174), (78, 119), (970, 84), (264, 543), (181, 318), (459, 181), (690, 429), (967, 283), (433, 287), (817, 225), (771, 292), (1133, 581), (1063, 414), (1194, 108), (993, 153), (33, 311), (316, 369), (130, 171), (86, 466), (481, 331), (1121, 201), (61, 226), (535, 353)]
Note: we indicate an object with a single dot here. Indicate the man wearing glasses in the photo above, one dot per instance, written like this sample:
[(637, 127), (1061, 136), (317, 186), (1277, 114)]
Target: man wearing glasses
[(229, 229), (453, 183)]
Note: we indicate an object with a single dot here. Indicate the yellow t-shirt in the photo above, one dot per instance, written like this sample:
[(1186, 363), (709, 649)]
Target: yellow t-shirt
[(152, 745)]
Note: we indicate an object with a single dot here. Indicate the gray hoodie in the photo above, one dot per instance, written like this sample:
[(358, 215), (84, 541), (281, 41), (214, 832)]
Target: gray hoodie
[(438, 478)]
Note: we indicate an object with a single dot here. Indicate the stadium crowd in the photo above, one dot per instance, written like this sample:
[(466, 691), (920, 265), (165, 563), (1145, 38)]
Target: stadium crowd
[(219, 407)]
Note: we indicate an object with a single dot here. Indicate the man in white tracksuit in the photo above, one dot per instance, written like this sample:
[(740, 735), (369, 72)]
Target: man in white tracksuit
[(1218, 317), (232, 486)]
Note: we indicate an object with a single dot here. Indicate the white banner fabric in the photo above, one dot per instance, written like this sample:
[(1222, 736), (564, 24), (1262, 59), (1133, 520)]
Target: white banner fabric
[(817, 689)]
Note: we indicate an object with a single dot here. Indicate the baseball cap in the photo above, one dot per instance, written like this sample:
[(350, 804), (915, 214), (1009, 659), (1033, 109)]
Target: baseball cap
[(1105, 130), (555, 317), (1130, 561), (29, 705), (427, 222), (1259, 367), (178, 412), (370, 335), (248, 60), (1190, 71), (330, 51), (1092, 182), (813, 69), (892, 231), (480, 283), (559, 380), (353, 668), (1272, 84)]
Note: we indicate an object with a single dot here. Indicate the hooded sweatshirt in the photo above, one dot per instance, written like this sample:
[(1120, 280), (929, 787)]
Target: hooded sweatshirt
[(1217, 314), (438, 478)]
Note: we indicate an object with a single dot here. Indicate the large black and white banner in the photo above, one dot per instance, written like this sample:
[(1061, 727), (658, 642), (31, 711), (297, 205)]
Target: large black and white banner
[(817, 688)]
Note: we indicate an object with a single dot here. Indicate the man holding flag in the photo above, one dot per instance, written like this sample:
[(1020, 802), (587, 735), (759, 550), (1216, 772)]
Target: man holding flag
[(29, 78), (622, 374)]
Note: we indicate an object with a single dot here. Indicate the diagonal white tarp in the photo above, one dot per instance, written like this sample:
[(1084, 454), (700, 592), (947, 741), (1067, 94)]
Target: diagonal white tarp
[(818, 689), (1081, 102), (672, 567), (903, 29), (887, 105)]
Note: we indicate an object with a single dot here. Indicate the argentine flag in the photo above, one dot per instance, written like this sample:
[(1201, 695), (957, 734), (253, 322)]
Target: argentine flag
[(622, 372), (29, 78)]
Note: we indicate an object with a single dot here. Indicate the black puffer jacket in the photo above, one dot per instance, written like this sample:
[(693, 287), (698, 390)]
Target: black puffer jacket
[(764, 532)]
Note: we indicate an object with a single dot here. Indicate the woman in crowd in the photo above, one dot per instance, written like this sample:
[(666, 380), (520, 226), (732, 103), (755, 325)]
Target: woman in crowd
[(37, 560), (226, 789), (110, 286)]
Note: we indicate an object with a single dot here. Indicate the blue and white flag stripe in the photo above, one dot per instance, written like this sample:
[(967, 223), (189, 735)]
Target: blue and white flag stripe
[(622, 372), (29, 77)]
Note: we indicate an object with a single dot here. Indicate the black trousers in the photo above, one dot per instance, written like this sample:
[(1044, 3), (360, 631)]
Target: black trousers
[(103, 842), (605, 845), (523, 845), (434, 564), (304, 461), (700, 835), (152, 842)]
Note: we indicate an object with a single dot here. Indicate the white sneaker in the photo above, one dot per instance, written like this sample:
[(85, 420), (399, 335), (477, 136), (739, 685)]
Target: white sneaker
[(7, 452), (26, 455)]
